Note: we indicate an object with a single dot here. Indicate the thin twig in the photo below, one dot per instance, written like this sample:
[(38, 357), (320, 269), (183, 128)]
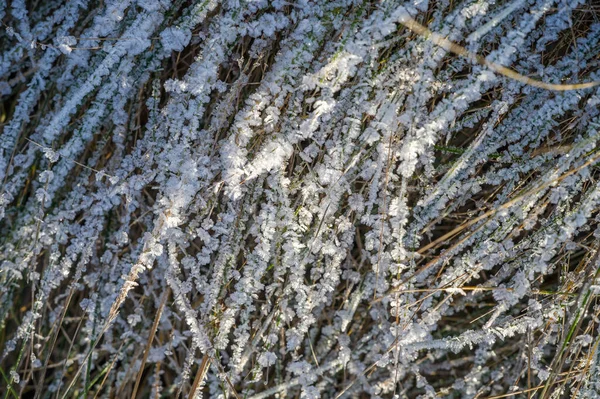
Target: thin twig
[(447, 45)]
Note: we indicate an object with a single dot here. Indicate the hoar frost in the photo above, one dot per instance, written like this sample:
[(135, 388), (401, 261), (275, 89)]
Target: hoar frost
[(299, 199)]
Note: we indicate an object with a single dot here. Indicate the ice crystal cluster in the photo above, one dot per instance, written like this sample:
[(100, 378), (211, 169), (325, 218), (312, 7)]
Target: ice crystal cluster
[(299, 199)]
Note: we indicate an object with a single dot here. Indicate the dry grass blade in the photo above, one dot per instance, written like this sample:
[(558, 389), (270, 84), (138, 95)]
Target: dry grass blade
[(441, 289), (575, 321), (204, 365), (110, 367), (530, 390), (129, 283), (163, 301), (506, 205), (39, 388), (509, 73)]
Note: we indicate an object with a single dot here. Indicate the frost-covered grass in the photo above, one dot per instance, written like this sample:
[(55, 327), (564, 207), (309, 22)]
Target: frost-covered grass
[(299, 199)]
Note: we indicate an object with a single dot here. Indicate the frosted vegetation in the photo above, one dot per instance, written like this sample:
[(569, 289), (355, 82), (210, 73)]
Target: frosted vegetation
[(299, 199)]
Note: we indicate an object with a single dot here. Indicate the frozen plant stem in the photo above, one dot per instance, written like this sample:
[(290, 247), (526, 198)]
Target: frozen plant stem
[(313, 199)]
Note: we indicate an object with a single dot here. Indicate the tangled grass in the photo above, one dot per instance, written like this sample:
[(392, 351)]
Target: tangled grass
[(273, 199)]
